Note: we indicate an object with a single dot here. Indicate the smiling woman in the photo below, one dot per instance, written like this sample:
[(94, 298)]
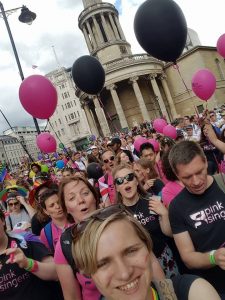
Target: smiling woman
[(115, 250)]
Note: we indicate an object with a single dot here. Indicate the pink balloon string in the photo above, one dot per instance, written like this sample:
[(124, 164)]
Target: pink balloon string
[(176, 67)]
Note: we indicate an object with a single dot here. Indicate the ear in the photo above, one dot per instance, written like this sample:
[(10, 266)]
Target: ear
[(45, 211), (148, 170)]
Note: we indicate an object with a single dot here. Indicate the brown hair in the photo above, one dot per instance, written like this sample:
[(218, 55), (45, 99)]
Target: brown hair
[(147, 164), (84, 247), (66, 181), (140, 188), (184, 152)]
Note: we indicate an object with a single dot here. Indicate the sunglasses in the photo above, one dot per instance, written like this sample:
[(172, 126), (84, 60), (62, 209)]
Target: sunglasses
[(100, 215), (110, 159), (13, 203), (128, 177), (212, 115)]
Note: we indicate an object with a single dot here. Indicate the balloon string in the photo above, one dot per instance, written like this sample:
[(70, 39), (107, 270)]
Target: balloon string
[(108, 115), (176, 67)]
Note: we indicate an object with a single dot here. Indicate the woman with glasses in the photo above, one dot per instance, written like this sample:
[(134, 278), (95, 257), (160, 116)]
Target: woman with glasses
[(116, 251), (78, 198), (149, 211), (20, 211), (106, 184)]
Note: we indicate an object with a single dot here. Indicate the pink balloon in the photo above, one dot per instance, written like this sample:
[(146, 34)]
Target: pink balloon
[(46, 142), (203, 84), (221, 45), (138, 142), (38, 96), (159, 124), (155, 144), (170, 131)]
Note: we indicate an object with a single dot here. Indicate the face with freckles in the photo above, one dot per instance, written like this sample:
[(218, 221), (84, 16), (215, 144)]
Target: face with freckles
[(79, 200), (123, 264)]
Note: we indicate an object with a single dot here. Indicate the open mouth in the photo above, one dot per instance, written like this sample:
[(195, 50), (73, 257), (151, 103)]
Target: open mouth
[(128, 189), (130, 287), (85, 209)]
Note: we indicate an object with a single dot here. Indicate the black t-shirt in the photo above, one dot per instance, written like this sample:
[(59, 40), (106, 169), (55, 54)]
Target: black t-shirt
[(203, 216), (18, 284), (36, 225), (156, 188), (151, 223)]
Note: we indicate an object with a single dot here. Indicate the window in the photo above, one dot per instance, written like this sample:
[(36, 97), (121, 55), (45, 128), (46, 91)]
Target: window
[(75, 102), (62, 107), (72, 116), (65, 95), (69, 117), (68, 105), (75, 115), (55, 123), (63, 131), (59, 121), (59, 134), (66, 118), (78, 113), (71, 103)]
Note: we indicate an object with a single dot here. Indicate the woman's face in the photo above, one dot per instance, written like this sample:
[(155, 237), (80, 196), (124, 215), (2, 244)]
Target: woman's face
[(124, 157), (141, 173), (79, 200), (14, 206), (53, 208), (59, 175), (123, 261), (128, 189), (66, 174)]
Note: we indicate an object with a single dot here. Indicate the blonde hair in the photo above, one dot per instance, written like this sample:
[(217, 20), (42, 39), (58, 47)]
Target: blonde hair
[(141, 191), (84, 246)]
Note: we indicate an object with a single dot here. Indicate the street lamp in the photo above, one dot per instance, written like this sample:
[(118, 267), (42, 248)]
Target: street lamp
[(27, 17)]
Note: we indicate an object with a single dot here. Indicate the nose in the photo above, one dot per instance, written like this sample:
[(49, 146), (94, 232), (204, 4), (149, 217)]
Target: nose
[(80, 199), (195, 180), (123, 270)]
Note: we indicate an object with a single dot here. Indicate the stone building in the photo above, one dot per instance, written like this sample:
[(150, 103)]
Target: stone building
[(136, 87), (68, 123)]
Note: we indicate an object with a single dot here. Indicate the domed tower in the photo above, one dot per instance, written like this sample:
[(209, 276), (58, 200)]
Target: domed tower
[(135, 89), (104, 36)]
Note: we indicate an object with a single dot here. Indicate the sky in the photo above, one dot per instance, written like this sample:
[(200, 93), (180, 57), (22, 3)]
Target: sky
[(57, 25)]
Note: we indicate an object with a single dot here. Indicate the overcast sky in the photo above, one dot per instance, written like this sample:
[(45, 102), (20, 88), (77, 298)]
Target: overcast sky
[(57, 24)]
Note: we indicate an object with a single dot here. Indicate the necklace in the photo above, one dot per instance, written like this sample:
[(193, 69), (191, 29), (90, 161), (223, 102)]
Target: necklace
[(154, 295)]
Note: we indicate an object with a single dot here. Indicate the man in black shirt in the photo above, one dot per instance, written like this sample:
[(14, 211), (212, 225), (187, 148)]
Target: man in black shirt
[(197, 215)]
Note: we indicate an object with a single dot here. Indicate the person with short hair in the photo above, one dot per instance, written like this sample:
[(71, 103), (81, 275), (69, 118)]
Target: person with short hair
[(116, 252), (197, 215), (115, 145)]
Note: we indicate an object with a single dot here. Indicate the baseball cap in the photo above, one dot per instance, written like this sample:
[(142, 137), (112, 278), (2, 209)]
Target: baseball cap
[(115, 140), (188, 127)]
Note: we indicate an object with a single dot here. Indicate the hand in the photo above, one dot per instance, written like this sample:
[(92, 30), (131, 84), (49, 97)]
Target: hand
[(19, 257), (158, 207), (210, 133), (21, 199), (149, 183), (219, 255)]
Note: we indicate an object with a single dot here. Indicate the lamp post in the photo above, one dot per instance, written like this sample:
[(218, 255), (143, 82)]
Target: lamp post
[(27, 17)]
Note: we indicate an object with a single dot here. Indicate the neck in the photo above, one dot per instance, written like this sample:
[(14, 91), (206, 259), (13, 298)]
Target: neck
[(60, 222), (131, 201), (3, 243), (209, 180)]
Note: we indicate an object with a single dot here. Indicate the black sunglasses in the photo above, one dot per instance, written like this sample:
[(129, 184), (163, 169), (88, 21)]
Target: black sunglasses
[(101, 215), (110, 159), (128, 177), (13, 203)]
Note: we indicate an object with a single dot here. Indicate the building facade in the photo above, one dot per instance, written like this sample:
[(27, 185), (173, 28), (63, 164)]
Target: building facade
[(27, 136), (11, 151), (68, 123)]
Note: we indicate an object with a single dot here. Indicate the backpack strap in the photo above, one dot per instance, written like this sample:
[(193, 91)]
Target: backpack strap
[(48, 234), (66, 245), (220, 179), (10, 222)]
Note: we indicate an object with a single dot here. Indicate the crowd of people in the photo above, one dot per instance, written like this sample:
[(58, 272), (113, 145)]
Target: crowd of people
[(118, 221)]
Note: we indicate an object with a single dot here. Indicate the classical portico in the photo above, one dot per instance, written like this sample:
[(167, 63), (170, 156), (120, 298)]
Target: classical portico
[(136, 87)]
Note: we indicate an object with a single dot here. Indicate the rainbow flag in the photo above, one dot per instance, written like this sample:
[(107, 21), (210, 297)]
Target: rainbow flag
[(3, 172)]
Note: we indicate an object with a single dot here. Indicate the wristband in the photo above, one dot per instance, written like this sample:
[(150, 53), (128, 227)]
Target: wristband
[(30, 264), (212, 258), (35, 267)]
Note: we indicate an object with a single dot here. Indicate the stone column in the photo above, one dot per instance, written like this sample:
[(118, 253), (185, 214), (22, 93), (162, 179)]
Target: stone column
[(159, 96), (91, 121), (120, 28), (101, 117), (118, 106), (168, 96), (91, 34), (98, 30), (114, 27), (87, 39), (140, 99), (105, 27)]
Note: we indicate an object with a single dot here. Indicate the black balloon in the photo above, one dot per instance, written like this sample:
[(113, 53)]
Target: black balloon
[(94, 171), (88, 74), (161, 29)]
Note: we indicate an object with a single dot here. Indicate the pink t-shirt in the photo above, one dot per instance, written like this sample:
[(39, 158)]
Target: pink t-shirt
[(89, 290), (170, 191), (56, 233)]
